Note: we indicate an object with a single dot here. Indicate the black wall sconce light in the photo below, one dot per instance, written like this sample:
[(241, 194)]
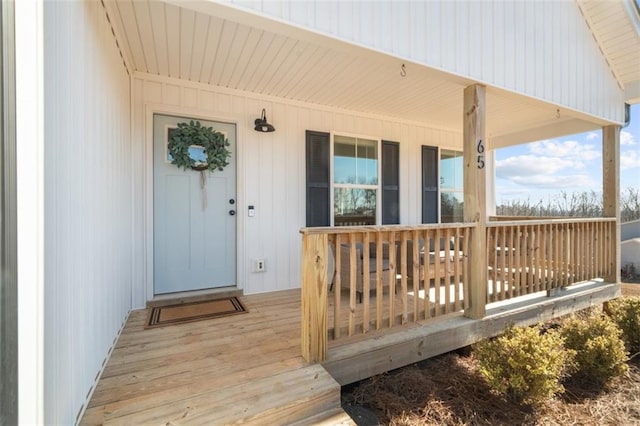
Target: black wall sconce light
[(262, 125)]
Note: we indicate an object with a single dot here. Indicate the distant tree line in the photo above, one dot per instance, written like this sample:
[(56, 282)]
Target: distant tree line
[(577, 204)]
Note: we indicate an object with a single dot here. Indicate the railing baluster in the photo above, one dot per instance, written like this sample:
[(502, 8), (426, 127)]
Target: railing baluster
[(379, 306), (525, 283), (558, 257), (425, 277), (352, 283), (491, 250), (366, 281), (592, 235), (465, 267), (578, 252), (517, 258), (510, 263), (601, 250), (403, 273), (532, 259), (437, 274), (416, 275), (392, 278), (595, 232), (502, 262), (547, 256), (565, 253), (337, 287), (447, 270), (587, 262), (456, 270)]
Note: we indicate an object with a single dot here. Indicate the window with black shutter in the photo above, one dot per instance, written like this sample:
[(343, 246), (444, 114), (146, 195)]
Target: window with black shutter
[(357, 188)]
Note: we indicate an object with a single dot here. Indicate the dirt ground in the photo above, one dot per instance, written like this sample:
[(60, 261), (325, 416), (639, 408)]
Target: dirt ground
[(448, 390), (631, 289)]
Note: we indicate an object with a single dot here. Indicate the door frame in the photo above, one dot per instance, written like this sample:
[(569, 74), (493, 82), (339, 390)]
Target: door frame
[(189, 113)]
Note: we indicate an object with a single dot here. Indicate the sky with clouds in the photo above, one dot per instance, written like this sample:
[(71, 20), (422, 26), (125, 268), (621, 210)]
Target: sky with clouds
[(542, 170)]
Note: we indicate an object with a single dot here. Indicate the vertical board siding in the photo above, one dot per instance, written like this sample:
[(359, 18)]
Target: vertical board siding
[(271, 171), (542, 49), (88, 214)]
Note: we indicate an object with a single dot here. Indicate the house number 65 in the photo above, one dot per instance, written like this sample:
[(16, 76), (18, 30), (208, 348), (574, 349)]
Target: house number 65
[(480, 149)]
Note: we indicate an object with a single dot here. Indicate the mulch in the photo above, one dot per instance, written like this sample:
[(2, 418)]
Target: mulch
[(448, 390)]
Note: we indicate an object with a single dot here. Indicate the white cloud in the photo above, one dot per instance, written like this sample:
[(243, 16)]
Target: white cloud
[(570, 149), (626, 138), (593, 135), (629, 160), (534, 171), (529, 165), (555, 182)]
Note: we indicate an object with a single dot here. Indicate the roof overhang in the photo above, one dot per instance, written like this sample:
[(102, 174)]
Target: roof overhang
[(615, 25), (223, 45)]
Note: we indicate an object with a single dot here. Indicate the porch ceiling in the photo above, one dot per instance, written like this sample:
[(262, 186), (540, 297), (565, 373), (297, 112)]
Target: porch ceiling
[(211, 43)]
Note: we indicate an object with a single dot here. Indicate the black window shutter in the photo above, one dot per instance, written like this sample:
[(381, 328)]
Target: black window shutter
[(429, 184), (390, 183), (318, 185)]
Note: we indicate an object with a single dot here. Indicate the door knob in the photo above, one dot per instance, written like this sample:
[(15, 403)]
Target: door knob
[(232, 212)]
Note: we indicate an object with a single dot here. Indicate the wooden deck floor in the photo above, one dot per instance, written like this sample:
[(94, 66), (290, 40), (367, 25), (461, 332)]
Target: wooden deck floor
[(247, 368), (244, 368)]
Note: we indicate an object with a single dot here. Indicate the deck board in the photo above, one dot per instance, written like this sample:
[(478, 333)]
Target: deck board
[(242, 368)]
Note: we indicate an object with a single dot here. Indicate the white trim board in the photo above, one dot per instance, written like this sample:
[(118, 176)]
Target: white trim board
[(30, 208)]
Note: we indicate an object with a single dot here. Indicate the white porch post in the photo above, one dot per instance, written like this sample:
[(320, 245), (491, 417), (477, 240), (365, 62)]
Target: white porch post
[(611, 194), (475, 204), (30, 208)]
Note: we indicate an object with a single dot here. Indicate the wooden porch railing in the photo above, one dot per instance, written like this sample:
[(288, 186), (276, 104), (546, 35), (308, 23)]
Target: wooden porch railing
[(360, 278), (527, 256)]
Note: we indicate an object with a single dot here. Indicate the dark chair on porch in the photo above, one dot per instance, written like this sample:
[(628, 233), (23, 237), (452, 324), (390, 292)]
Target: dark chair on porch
[(427, 270), (361, 274)]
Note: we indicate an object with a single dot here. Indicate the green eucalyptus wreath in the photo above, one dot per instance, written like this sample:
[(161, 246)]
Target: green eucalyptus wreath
[(214, 144)]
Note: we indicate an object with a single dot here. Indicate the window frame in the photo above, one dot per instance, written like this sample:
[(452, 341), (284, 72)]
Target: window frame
[(333, 186)]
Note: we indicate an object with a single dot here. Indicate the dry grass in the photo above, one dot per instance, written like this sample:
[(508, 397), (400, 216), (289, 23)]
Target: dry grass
[(448, 390)]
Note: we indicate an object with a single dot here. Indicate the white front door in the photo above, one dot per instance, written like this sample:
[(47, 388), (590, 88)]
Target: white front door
[(194, 225)]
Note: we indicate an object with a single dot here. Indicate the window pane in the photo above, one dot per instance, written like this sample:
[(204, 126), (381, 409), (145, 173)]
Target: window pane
[(451, 204), (344, 163), (354, 206), (355, 161), (367, 162), (451, 170)]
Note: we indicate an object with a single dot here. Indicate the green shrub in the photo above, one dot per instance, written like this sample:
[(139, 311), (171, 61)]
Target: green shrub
[(597, 341), (625, 312), (525, 364)]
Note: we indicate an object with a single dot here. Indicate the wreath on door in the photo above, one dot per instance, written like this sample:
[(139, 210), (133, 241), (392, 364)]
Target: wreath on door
[(191, 134)]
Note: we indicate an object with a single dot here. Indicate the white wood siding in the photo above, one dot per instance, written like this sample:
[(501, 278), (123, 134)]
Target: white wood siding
[(88, 213), (271, 170), (543, 49)]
